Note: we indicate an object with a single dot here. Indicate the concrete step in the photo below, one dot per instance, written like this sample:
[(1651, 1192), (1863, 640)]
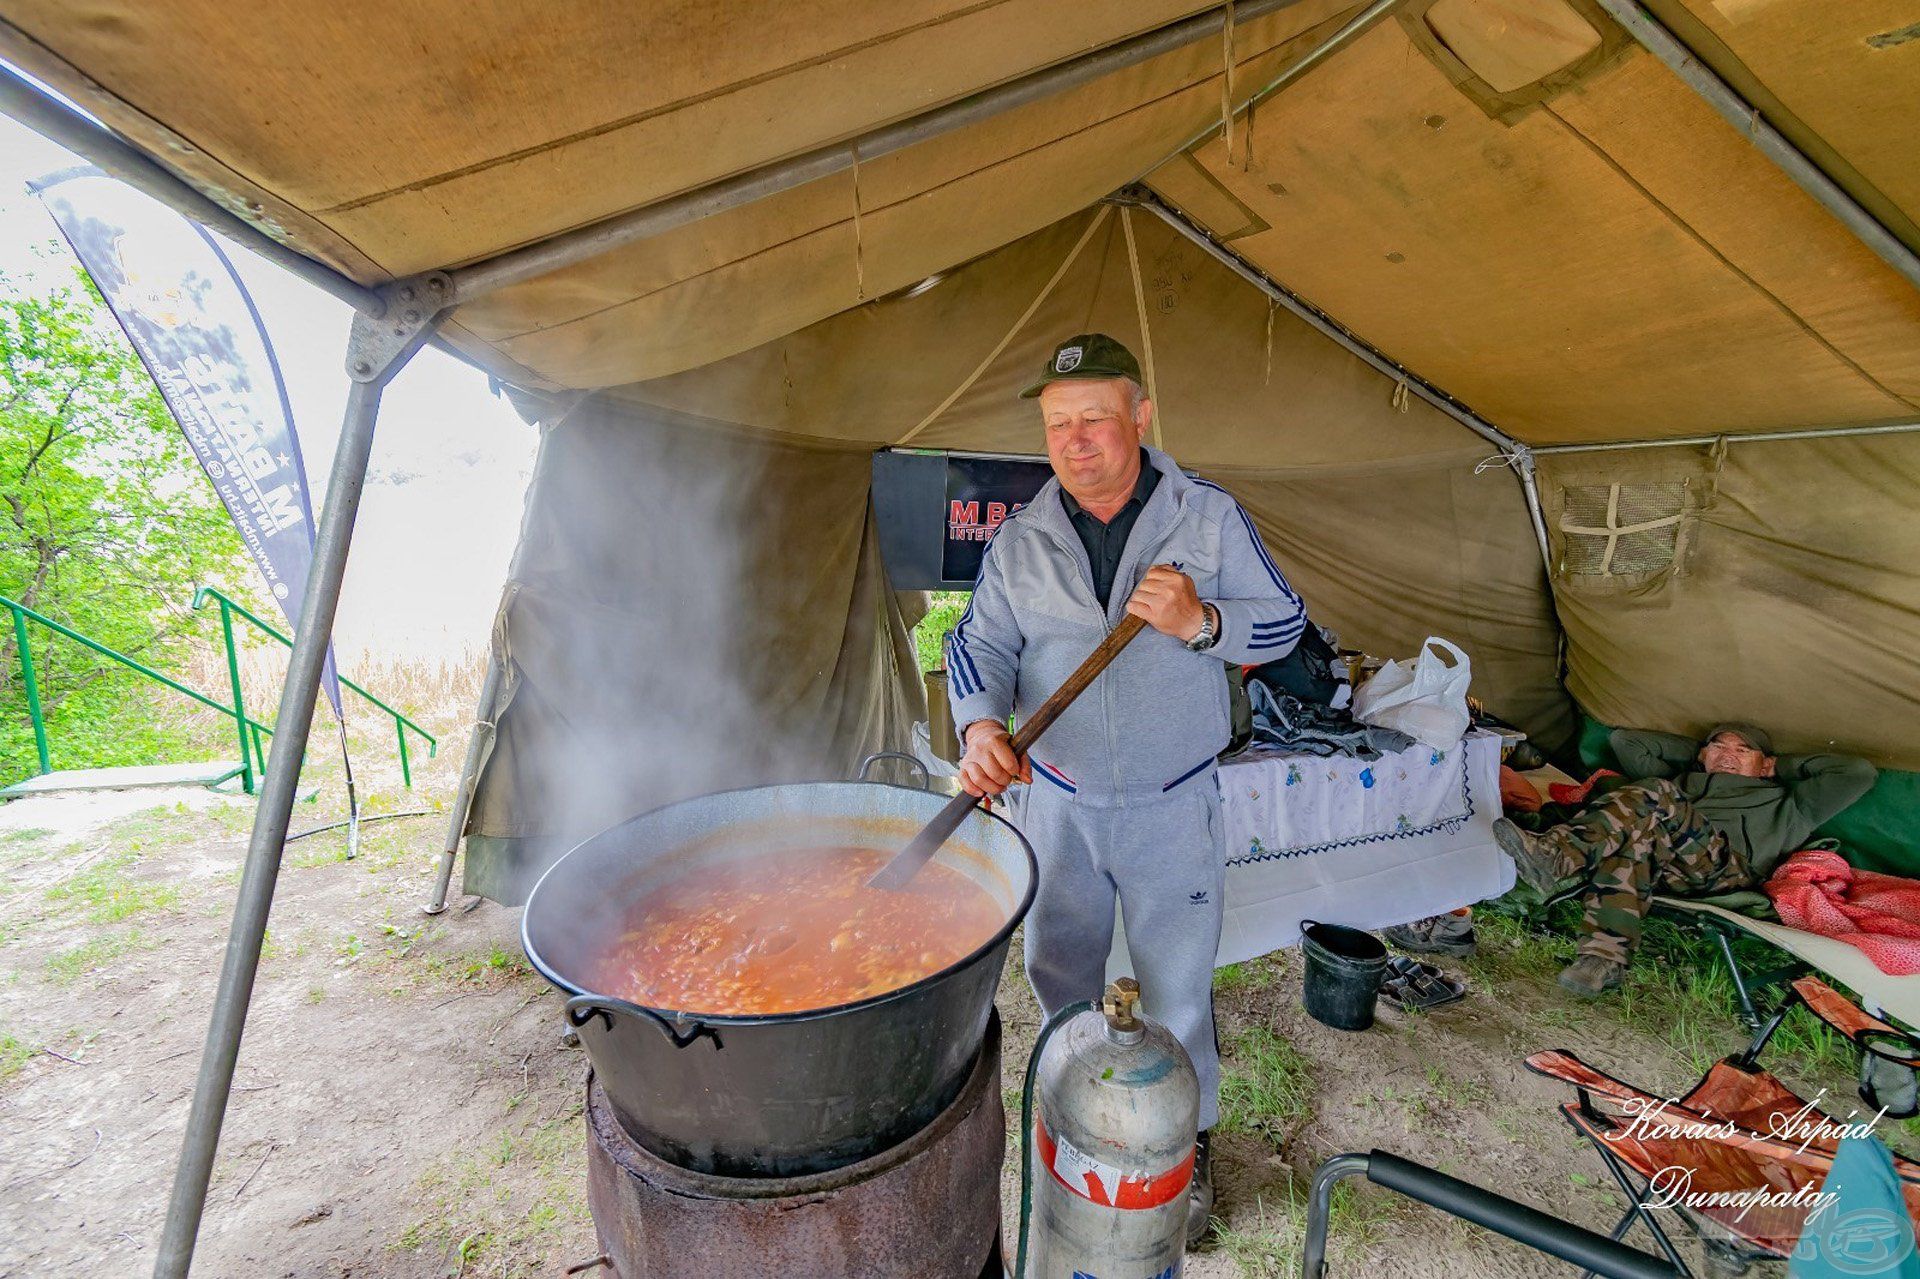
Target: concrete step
[(135, 777)]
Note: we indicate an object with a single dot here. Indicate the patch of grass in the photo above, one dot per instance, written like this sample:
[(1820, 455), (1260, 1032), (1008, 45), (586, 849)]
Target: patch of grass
[(1266, 1085), (67, 966), (14, 1053), (512, 1206), (109, 894), (1270, 1248), (1254, 974)]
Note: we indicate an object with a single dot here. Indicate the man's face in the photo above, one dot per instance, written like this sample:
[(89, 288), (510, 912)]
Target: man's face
[(1094, 431), (1729, 753)]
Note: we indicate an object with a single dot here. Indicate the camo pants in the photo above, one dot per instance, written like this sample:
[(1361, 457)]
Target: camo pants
[(1639, 840)]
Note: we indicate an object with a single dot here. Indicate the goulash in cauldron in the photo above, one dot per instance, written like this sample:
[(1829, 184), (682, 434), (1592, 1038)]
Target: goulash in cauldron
[(793, 932)]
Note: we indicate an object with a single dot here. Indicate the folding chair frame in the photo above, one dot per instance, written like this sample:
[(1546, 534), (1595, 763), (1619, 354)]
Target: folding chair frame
[(1640, 1203)]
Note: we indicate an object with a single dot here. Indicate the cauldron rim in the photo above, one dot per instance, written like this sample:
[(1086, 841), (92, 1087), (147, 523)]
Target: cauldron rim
[(573, 989)]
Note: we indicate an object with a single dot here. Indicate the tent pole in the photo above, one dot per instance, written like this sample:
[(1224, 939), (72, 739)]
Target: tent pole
[(1520, 454), (61, 124), (570, 247), (376, 351), (477, 747), (1745, 118), (1752, 437)]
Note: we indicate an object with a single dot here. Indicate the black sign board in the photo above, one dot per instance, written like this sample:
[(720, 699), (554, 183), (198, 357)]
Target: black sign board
[(937, 511)]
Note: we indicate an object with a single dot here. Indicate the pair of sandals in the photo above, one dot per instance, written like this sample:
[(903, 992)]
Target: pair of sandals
[(1413, 986)]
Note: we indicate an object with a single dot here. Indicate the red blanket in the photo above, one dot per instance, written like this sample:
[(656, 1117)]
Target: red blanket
[(1817, 892)]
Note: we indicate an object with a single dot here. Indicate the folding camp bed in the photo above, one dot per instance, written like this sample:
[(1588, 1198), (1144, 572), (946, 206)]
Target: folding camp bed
[(1738, 1133), (1721, 918)]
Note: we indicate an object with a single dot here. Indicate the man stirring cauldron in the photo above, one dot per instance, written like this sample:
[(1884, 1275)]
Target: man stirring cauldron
[(1123, 797)]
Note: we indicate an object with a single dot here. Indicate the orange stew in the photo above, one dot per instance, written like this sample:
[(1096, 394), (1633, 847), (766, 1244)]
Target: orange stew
[(800, 930)]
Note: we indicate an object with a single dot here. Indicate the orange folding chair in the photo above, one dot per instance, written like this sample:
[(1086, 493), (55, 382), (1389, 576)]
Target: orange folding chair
[(1740, 1158)]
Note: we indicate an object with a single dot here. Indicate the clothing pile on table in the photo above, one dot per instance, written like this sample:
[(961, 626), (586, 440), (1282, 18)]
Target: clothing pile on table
[(1304, 728), (1299, 705)]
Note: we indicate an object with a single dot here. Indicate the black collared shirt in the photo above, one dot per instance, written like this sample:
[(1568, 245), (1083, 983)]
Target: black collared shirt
[(1106, 543)]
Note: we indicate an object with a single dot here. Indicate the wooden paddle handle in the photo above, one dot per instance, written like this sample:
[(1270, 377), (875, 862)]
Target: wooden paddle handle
[(1098, 660)]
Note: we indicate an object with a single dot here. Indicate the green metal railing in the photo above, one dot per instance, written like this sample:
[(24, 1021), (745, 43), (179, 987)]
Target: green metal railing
[(230, 606), (249, 731)]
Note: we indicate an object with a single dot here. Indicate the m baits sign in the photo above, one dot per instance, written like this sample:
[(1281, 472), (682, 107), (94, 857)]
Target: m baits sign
[(981, 493)]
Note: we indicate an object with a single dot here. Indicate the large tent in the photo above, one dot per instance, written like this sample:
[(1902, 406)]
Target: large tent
[(1592, 347)]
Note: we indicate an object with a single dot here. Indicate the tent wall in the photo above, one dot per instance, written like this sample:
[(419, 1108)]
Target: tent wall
[(1388, 555), (1373, 509), (690, 610), (1791, 597)]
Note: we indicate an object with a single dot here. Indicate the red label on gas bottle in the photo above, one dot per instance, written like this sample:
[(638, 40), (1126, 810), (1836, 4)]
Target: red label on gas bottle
[(1104, 1183)]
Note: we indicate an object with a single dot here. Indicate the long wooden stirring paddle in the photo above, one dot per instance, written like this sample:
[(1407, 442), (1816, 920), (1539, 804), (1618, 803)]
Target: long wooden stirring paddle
[(907, 862)]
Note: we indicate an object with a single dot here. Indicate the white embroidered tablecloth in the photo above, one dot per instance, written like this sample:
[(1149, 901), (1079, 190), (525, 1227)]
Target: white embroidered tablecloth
[(1347, 841)]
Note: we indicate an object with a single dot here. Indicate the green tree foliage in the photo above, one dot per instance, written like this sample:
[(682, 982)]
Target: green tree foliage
[(106, 525)]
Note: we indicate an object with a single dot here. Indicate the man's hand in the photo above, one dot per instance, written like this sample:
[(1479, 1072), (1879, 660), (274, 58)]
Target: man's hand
[(1168, 602), (990, 766)]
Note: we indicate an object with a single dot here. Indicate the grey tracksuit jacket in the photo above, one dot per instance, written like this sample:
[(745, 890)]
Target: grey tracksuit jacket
[(1159, 715)]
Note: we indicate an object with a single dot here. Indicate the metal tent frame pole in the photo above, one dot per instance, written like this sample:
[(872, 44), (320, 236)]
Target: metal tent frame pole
[(376, 352), (477, 747), (58, 123), (1751, 437), (1520, 454), (1746, 119)]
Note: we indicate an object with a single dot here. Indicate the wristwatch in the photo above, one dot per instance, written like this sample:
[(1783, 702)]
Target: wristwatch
[(1209, 630)]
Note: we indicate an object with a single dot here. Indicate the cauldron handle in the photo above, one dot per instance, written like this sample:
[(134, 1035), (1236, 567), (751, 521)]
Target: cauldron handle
[(866, 766), (582, 1008)]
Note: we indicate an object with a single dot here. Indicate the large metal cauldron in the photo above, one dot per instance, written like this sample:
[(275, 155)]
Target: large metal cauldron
[(788, 1094)]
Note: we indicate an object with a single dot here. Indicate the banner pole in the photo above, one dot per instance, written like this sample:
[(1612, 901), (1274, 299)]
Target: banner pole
[(374, 357), (353, 800)]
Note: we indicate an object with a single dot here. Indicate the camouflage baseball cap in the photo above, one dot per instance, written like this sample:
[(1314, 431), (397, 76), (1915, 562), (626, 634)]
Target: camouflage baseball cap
[(1757, 738), (1086, 357)]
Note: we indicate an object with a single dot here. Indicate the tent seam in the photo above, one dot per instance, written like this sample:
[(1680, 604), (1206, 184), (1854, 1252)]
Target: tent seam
[(878, 209)]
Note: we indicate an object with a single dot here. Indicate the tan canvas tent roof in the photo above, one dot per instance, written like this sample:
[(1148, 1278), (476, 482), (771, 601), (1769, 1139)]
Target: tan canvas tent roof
[(1513, 201)]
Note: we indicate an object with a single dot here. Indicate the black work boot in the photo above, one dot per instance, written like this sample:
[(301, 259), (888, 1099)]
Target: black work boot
[(1200, 1193)]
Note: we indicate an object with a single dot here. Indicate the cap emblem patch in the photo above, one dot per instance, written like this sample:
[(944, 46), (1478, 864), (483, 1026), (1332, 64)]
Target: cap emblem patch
[(1068, 359)]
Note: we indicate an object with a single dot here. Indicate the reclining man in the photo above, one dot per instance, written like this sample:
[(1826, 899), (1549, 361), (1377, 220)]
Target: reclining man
[(1694, 818)]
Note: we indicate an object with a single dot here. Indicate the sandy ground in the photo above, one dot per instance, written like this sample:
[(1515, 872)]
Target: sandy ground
[(405, 1107)]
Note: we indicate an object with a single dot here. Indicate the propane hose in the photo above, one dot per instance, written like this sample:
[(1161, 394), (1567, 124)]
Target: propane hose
[(1026, 1125)]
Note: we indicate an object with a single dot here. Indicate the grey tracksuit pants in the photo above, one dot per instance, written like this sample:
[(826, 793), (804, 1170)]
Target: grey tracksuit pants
[(1165, 859)]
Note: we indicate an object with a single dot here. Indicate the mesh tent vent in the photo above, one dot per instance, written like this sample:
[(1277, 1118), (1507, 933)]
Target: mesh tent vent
[(1617, 530)]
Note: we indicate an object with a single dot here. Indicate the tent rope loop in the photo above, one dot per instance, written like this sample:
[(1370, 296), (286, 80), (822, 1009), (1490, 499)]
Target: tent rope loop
[(1146, 334)]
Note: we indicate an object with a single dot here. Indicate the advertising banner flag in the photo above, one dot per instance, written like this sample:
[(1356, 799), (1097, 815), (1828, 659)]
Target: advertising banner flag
[(193, 324)]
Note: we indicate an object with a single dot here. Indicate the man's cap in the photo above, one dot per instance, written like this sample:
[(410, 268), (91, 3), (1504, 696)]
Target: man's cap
[(1086, 357), (1757, 738)]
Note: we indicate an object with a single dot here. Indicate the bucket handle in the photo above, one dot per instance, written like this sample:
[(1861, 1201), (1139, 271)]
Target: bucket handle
[(914, 761), (582, 1009)]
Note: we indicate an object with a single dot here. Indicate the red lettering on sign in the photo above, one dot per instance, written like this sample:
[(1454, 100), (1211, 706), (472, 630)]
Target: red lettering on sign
[(996, 511), (963, 512)]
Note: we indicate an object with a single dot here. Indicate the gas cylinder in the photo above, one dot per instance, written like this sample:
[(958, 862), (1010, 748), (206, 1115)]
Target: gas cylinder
[(1116, 1110)]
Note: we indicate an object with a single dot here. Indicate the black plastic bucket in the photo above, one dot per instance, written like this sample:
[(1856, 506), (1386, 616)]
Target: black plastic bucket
[(1344, 968)]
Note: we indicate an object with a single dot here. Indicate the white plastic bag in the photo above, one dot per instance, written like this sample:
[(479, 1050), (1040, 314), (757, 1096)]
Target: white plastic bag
[(1426, 700)]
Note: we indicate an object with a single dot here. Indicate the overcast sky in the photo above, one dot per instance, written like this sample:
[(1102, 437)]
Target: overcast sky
[(450, 464)]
